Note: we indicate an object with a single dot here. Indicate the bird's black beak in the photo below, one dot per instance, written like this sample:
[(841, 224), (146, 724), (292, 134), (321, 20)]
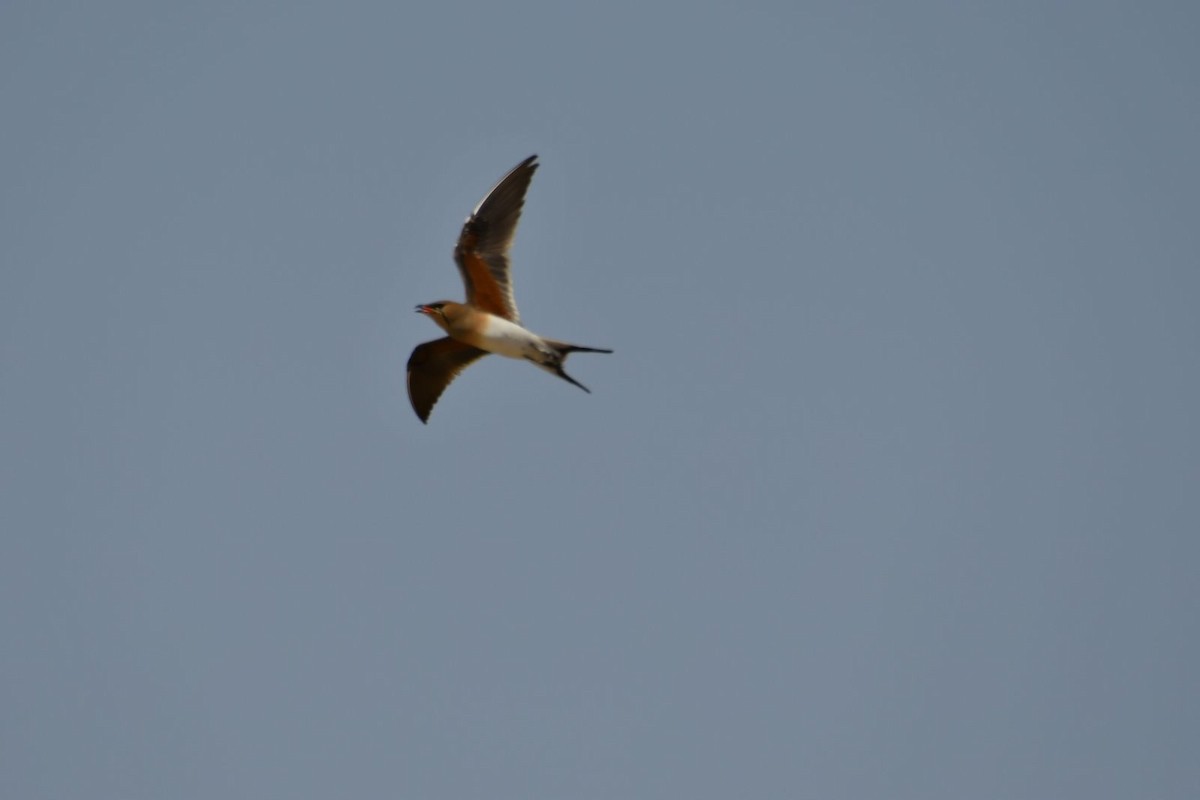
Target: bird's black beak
[(422, 309)]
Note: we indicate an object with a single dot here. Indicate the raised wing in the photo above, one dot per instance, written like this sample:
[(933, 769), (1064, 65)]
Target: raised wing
[(431, 368), (482, 250)]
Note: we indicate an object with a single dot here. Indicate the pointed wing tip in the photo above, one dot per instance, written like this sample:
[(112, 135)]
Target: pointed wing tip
[(530, 165), (422, 413)]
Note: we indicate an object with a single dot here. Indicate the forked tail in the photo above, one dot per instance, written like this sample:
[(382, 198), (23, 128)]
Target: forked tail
[(564, 349)]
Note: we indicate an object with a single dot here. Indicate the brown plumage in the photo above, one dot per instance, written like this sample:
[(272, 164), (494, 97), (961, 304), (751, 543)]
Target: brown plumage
[(488, 322)]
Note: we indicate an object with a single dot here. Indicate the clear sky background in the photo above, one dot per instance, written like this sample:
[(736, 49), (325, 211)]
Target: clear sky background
[(891, 488)]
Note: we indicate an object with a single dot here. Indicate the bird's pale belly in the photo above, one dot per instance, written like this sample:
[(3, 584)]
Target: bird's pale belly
[(498, 335)]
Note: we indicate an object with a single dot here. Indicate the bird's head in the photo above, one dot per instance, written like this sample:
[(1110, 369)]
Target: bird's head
[(438, 311)]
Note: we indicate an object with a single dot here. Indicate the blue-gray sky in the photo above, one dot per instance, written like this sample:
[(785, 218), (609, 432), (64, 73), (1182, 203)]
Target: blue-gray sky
[(889, 490)]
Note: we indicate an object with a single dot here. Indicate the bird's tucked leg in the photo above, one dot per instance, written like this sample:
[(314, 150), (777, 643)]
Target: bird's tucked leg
[(551, 359)]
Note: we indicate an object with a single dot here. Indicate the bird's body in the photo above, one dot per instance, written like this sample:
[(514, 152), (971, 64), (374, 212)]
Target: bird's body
[(489, 332), (488, 322)]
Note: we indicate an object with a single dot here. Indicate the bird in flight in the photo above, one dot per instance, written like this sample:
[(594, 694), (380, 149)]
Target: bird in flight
[(488, 321)]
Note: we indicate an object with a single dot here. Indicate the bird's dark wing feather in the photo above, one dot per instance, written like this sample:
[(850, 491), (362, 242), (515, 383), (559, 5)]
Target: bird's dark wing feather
[(431, 368), (482, 250)]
